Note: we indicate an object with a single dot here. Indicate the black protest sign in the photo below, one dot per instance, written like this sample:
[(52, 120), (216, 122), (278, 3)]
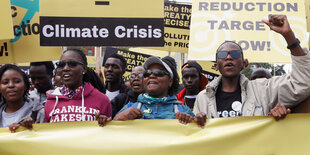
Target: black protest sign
[(177, 23), (210, 76), (87, 31), (133, 59), (102, 23), (177, 15)]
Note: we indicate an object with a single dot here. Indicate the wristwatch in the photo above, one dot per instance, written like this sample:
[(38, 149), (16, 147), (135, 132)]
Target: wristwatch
[(294, 44)]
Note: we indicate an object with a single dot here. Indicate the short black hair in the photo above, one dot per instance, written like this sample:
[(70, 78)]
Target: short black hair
[(7, 67), (48, 65), (120, 57)]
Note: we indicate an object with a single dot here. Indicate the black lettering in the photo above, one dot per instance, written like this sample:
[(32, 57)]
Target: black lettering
[(23, 26), (17, 31), (28, 27), (35, 28), (14, 11), (4, 48)]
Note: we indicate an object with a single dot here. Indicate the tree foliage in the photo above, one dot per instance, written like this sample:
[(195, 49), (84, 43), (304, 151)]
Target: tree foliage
[(275, 69)]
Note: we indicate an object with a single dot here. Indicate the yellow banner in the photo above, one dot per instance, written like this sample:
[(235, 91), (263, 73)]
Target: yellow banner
[(25, 46), (214, 21), (234, 136), (95, 8), (6, 31)]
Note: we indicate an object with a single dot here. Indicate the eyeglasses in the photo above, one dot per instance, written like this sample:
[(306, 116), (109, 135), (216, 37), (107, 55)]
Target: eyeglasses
[(133, 76), (71, 64), (156, 72), (236, 54)]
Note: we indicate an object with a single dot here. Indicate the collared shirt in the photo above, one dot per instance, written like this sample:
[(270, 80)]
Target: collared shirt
[(70, 93)]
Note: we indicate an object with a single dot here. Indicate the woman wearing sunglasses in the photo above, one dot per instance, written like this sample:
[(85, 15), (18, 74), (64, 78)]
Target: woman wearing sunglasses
[(16, 108), (77, 100), (159, 102)]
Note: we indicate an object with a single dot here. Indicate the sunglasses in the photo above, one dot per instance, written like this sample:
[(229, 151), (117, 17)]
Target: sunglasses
[(236, 54), (71, 64), (156, 72), (133, 76)]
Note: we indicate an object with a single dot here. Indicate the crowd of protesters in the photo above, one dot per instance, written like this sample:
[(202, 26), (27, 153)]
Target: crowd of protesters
[(77, 93)]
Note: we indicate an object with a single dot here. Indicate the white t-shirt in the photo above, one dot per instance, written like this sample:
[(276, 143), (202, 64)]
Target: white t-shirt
[(10, 118), (111, 95)]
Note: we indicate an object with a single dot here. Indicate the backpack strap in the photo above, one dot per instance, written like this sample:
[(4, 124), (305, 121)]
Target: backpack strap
[(130, 104), (139, 105), (178, 108)]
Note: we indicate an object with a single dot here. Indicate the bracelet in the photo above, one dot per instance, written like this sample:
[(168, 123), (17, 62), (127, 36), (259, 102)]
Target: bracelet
[(295, 44)]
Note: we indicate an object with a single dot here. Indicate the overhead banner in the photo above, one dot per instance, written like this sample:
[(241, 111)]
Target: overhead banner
[(6, 31), (102, 23), (177, 23), (214, 21), (233, 136), (133, 59), (25, 46)]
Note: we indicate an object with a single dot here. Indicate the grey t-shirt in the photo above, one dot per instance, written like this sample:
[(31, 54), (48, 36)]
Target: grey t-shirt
[(10, 118)]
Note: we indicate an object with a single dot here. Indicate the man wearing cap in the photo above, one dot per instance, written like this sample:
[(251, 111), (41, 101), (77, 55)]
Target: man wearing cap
[(232, 94), (194, 81)]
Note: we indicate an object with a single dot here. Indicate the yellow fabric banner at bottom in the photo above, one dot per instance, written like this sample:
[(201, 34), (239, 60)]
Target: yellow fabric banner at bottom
[(242, 135)]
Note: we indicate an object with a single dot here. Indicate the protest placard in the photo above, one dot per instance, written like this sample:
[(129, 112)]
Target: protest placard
[(101, 23), (215, 21), (25, 46), (177, 23), (6, 31)]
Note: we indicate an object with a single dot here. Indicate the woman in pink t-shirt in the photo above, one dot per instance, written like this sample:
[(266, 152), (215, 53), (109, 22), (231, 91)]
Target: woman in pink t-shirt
[(81, 97)]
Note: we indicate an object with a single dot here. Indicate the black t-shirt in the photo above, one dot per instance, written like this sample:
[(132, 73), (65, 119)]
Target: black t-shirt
[(228, 103), (189, 102)]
